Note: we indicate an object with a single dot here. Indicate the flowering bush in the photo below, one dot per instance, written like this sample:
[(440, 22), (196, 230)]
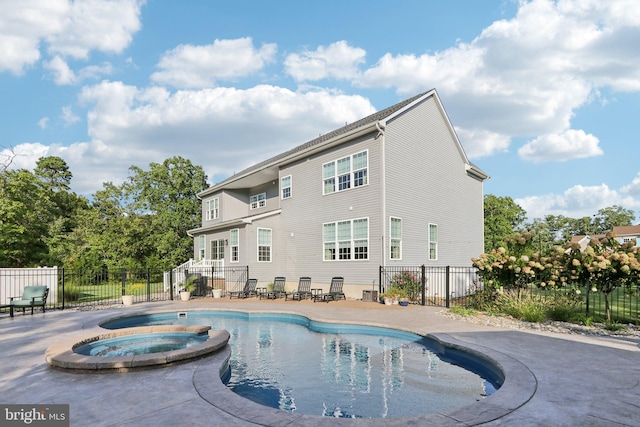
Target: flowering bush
[(409, 282), (602, 266), (513, 266)]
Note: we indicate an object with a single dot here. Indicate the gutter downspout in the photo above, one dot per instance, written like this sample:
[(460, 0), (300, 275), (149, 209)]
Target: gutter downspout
[(383, 193)]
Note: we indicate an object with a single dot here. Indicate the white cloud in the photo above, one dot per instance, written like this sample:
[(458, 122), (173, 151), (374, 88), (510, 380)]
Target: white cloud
[(43, 122), (62, 74), (68, 117), (68, 29), (23, 25), (223, 129), (23, 156), (526, 76), (480, 143), (104, 25), (633, 188), (189, 66), (576, 202), (338, 61), (568, 145)]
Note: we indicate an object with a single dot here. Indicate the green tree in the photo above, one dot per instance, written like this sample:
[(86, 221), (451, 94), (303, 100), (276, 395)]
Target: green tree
[(167, 193), (502, 217), (610, 217), (25, 212), (55, 178)]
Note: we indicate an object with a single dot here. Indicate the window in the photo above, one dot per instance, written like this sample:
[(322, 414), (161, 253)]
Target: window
[(201, 248), (213, 209), (360, 239), (346, 240), (258, 201), (234, 244), (329, 241), (433, 242), (264, 245), (217, 249), (347, 172), (285, 185), (395, 238)]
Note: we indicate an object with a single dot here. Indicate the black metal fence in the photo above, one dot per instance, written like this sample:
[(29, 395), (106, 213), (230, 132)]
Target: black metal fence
[(459, 286), (95, 288), (224, 279), (439, 286)]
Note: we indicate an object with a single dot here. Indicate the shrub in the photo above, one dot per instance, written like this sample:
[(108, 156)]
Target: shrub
[(612, 325), (522, 306), (409, 283)]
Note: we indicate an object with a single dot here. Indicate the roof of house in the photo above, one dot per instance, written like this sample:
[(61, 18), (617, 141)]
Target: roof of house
[(327, 137), (625, 230)]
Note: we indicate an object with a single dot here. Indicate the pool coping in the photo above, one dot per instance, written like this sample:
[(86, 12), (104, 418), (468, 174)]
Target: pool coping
[(519, 385), (61, 355)]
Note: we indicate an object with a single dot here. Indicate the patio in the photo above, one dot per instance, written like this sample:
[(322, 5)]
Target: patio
[(567, 380)]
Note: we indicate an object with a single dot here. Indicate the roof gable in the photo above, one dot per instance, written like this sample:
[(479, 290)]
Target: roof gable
[(351, 128)]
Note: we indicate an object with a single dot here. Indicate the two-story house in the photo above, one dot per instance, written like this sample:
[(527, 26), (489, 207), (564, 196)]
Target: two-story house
[(394, 188)]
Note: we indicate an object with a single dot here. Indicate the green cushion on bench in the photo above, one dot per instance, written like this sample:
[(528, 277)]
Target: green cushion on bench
[(30, 292)]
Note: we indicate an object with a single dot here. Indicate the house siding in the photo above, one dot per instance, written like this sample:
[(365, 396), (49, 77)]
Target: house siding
[(304, 214), (416, 171), (428, 184)]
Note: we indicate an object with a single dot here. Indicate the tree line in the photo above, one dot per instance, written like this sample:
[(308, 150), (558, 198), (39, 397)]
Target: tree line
[(503, 218), (141, 223)]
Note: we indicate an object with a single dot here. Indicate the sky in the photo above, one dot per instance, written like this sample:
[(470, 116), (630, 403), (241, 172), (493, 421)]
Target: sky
[(544, 95)]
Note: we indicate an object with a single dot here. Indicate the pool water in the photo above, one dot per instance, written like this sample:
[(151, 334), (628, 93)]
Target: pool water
[(130, 345), (349, 371)]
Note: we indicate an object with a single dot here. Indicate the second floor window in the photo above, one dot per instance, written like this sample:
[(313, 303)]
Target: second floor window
[(213, 209), (285, 186), (345, 173), (258, 201)]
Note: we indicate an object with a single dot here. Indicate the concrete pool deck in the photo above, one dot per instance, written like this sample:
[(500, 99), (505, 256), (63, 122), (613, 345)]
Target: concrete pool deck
[(568, 380)]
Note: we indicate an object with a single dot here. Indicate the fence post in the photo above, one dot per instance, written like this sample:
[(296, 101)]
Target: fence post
[(62, 287), (171, 284), (123, 272), (148, 284), (588, 297), (423, 280), (380, 271), (448, 286)]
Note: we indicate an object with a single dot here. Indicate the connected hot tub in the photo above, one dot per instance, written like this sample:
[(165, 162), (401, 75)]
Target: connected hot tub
[(136, 348)]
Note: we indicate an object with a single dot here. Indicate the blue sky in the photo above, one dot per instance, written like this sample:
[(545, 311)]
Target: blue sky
[(544, 95)]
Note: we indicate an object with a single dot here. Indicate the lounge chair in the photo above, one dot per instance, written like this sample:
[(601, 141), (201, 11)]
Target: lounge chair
[(335, 291), (248, 290), (278, 289), (32, 296), (304, 290)]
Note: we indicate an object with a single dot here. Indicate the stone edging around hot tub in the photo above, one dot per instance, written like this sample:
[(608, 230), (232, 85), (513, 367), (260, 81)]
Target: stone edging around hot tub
[(62, 356)]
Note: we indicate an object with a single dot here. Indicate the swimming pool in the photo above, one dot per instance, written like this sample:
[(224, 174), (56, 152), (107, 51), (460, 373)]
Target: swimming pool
[(295, 364)]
